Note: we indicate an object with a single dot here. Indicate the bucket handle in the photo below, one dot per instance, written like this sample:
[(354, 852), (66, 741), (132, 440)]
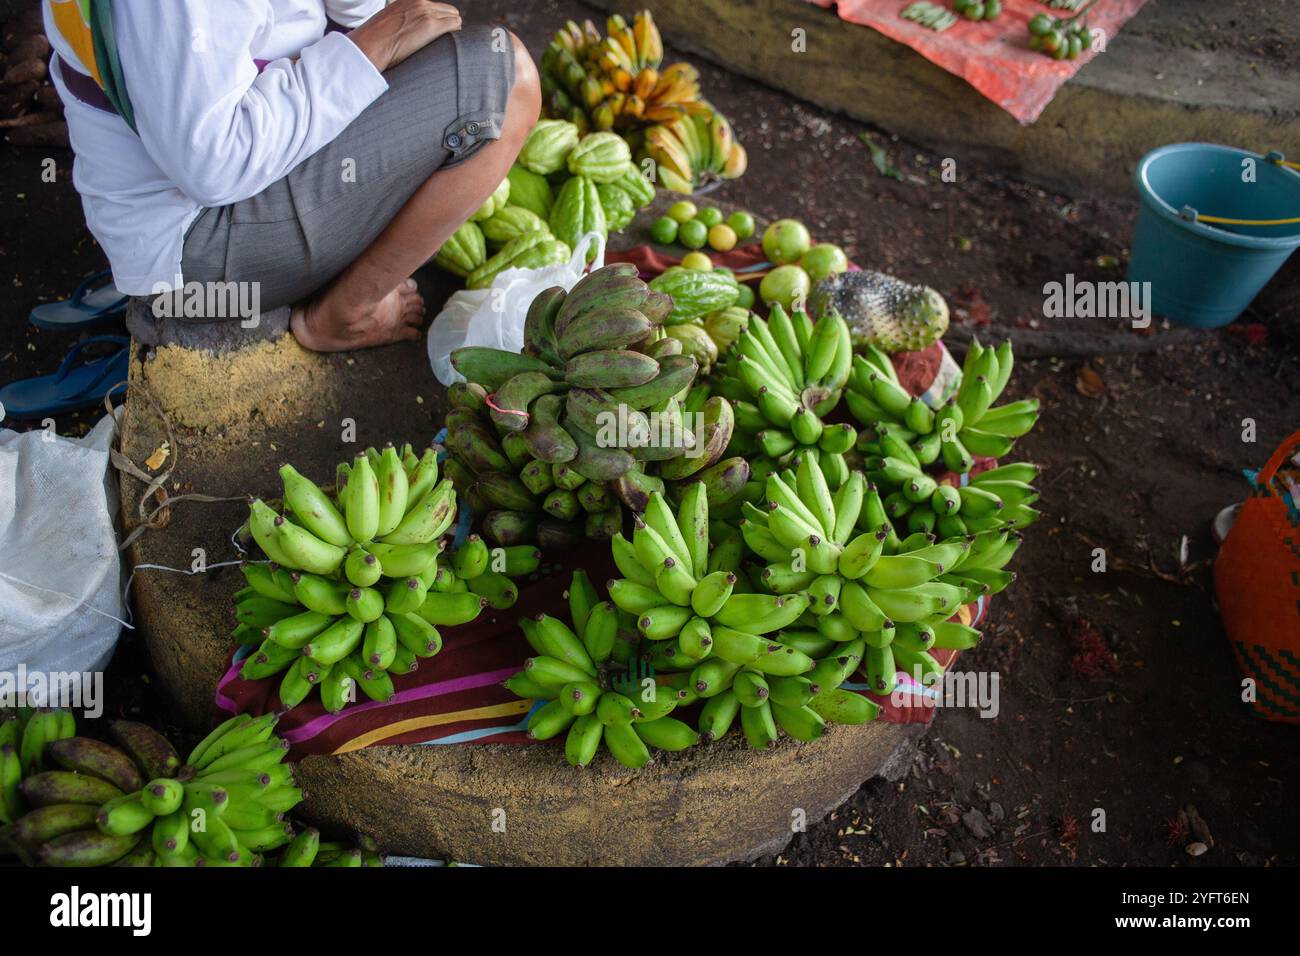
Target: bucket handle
[(1272, 156), (1269, 471)]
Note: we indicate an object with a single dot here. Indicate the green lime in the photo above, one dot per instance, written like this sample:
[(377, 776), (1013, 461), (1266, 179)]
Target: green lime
[(742, 224), (682, 211), (710, 216), (693, 234), (664, 231), (746, 297)]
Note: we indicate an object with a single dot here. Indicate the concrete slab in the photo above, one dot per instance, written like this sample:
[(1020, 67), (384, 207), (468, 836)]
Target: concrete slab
[(1157, 83)]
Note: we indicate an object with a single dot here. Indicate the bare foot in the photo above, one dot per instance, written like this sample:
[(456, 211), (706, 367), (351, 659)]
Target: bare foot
[(327, 325)]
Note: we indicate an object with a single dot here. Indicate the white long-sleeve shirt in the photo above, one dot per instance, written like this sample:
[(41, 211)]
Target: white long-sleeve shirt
[(212, 129)]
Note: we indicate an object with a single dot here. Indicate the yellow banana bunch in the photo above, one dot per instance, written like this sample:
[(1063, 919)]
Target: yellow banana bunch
[(694, 148)]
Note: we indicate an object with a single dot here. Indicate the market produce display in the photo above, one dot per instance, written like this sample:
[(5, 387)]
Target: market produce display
[(884, 312), (356, 585), (784, 376), (73, 801), (904, 436), (618, 82)]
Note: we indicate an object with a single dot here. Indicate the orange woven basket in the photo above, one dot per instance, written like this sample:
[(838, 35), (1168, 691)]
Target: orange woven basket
[(1257, 581)]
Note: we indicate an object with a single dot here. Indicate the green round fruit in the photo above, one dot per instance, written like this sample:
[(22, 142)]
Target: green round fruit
[(698, 261), (664, 231), (824, 260), (683, 210), (742, 224), (785, 241), (710, 216), (722, 237), (745, 299), (723, 270), (787, 285), (693, 234)]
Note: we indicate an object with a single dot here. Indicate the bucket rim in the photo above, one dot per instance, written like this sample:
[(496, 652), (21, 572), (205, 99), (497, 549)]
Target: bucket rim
[(1154, 201)]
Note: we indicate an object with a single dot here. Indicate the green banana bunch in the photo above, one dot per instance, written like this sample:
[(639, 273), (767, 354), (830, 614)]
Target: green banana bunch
[(355, 592), (593, 693), (783, 376), (579, 392), (522, 500), (25, 736), (967, 427), (135, 804)]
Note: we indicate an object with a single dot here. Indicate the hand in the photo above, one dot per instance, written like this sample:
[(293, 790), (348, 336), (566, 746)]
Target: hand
[(402, 28)]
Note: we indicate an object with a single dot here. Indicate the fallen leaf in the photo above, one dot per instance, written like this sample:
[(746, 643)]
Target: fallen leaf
[(1089, 383), (160, 455), (879, 158)]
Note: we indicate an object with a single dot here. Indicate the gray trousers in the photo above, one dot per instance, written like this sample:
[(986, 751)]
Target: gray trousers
[(297, 235)]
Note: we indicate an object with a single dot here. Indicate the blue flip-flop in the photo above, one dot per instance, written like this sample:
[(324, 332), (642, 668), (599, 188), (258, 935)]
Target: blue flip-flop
[(94, 302), (75, 385)]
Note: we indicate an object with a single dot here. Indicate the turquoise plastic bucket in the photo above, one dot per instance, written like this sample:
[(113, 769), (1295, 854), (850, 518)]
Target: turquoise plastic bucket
[(1202, 274)]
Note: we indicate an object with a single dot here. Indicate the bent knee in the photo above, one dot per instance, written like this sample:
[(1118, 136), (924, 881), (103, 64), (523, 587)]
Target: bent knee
[(527, 85)]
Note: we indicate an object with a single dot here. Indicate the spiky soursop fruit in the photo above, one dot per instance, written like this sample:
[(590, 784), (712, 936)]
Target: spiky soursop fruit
[(883, 311)]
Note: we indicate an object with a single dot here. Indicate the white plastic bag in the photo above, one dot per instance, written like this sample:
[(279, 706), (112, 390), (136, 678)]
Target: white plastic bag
[(494, 317), (60, 570)]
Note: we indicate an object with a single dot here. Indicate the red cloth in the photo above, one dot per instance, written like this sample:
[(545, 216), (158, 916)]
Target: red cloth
[(993, 56)]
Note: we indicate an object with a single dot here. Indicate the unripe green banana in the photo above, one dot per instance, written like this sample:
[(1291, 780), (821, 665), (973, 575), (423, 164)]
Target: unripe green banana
[(634, 598), (362, 511), (579, 697), (497, 589), (841, 706), (293, 632), (303, 551), (406, 560), (416, 634), (675, 582), (471, 558), (663, 622), (366, 604), (50, 788), (162, 796), (583, 740), (452, 609), (294, 685), (553, 639), (302, 850), (718, 714), (338, 640), (123, 816), (394, 487), (426, 520), (313, 508), (601, 632), (405, 596), (739, 647), (627, 748), (262, 579), (759, 726), (666, 733), (320, 594), (750, 688), (548, 721)]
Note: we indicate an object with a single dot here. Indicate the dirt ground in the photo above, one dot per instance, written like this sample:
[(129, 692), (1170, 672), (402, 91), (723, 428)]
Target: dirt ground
[(1136, 715)]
